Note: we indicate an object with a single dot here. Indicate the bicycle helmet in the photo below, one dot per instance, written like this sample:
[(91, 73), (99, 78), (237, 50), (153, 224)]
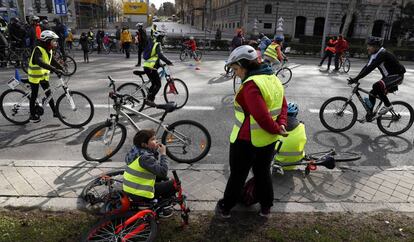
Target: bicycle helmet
[(47, 35), (374, 41), (242, 52), (293, 109), (279, 38), (191, 37), (35, 18), (139, 25), (159, 33)]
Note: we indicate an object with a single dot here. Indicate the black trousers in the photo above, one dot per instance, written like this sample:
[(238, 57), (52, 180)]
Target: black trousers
[(243, 156), (86, 55), (328, 55), (337, 56), (35, 91), (126, 47), (163, 189), (140, 50), (155, 81), (387, 84)]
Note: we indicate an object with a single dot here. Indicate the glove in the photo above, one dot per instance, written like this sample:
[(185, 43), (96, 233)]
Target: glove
[(352, 80)]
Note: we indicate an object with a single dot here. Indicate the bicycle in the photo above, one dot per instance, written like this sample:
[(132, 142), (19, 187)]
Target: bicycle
[(18, 57), (111, 47), (67, 62), (340, 108), (175, 90), (187, 141), (140, 222), (69, 106), (345, 62), (187, 52)]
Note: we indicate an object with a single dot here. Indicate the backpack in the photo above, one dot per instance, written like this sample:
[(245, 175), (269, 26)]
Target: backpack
[(249, 193), (146, 54)]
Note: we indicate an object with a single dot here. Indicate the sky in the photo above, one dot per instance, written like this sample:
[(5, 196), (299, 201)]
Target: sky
[(159, 2)]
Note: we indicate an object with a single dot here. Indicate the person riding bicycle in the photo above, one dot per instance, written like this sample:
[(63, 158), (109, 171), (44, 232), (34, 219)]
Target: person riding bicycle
[(392, 74), (264, 43), (147, 167), (152, 56), (273, 53), (192, 45), (340, 47), (293, 145), (41, 63)]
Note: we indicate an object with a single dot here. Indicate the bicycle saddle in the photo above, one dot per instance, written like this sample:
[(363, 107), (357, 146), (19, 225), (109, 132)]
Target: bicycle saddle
[(139, 73), (168, 107)]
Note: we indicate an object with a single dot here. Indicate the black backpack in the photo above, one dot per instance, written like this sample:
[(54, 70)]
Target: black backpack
[(146, 54)]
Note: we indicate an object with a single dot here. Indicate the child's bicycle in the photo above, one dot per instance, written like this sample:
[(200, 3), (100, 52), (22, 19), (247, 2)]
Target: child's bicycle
[(186, 52), (345, 62), (75, 109), (137, 221), (175, 90)]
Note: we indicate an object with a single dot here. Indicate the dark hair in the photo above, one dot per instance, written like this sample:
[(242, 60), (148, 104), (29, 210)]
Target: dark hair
[(143, 136), (249, 65)]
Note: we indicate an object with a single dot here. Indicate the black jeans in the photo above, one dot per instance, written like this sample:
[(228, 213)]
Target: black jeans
[(86, 55), (140, 50), (155, 81), (243, 156), (387, 84), (126, 47), (328, 55), (35, 91), (337, 56), (163, 189)]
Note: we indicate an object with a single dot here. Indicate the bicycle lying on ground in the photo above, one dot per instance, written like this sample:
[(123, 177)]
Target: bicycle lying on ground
[(175, 90), (339, 114), (137, 221), (75, 109), (187, 52), (186, 141)]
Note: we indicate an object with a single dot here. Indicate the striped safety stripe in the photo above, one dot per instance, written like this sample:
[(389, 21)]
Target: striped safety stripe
[(138, 186), (139, 174)]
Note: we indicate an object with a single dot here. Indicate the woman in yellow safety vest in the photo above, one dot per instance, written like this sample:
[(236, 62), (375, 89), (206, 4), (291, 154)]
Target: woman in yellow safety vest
[(41, 63), (260, 112)]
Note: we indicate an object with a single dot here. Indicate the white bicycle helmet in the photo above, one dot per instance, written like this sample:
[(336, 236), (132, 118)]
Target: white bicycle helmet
[(159, 33), (139, 25), (242, 52), (48, 35)]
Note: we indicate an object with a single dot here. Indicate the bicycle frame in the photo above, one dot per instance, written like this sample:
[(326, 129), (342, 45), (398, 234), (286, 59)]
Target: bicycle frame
[(355, 91), (165, 72)]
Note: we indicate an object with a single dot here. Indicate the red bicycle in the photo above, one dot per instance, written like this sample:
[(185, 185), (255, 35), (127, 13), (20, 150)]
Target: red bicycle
[(137, 221)]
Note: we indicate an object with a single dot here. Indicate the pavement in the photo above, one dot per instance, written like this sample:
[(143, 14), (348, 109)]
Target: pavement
[(56, 185)]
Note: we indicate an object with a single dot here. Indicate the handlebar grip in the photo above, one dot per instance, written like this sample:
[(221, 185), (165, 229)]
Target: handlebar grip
[(174, 172)]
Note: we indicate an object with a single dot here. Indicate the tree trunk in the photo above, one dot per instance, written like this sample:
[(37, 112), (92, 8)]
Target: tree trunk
[(373, 18), (349, 14)]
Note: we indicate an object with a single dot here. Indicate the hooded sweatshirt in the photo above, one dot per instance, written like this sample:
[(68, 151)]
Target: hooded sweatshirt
[(149, 160)]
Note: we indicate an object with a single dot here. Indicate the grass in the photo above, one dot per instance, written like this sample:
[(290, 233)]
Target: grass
[(39, 226)]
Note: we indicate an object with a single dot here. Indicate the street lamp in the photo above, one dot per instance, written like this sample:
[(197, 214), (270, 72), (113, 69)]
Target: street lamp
[(277, 12)]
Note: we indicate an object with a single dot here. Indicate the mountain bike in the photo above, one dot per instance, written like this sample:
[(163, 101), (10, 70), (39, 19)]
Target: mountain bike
[(186, 141), (175, 90), (345, 62), (187, 52), (18, 57), (339, 114), (67, 62), (140, 221), (74, 108)]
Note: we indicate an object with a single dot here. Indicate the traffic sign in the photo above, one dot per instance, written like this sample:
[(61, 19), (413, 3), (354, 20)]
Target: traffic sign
[(60, 7)]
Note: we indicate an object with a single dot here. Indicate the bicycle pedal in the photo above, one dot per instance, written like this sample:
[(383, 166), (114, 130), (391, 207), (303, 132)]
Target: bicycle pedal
[(362, 120)]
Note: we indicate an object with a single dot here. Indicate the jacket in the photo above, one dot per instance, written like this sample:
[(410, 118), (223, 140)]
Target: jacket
[(149, 160), (126, 37)]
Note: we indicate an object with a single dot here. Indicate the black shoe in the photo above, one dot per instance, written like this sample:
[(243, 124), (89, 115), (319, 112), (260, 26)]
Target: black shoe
[(320, 65), (220, 211), (34, 119), (137, 65), (166, 213), (150, 103), (264, 212)]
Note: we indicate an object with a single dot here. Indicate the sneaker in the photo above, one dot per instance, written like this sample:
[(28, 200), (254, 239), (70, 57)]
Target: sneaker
[(320, 65), (385, 110), (220, 211), (166, 213), (34, 119), (137, 65), (150, 103), (264, 212)]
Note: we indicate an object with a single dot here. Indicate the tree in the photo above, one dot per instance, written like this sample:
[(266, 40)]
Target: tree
[(349, 15), (153, 9), (167, 9)]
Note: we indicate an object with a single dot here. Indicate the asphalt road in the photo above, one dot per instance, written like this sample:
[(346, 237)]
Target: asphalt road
[(210, 103)]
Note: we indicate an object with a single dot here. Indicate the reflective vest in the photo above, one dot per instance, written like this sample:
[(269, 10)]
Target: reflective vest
[(293, 146), (272, 92), (150, 63), (271, 50), (138, 181), (37, 73)]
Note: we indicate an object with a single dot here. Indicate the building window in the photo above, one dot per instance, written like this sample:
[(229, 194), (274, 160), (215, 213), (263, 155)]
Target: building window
[(378, 27), (268, 9), (238, 24), (236, 8), (49, 6), (267, 25), (319, 26), (300, 26)]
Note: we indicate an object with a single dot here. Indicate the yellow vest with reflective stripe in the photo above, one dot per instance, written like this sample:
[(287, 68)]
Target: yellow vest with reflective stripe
[(271, 50), (138, 181), (272, 92), (37, 73), (150, 63), (293, 146)]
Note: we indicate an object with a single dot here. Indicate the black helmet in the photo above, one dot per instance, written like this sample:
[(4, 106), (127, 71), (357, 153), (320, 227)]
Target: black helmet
[(374, 41)]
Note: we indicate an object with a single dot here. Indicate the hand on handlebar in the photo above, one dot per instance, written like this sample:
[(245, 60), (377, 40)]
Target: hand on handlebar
[(352, 81)]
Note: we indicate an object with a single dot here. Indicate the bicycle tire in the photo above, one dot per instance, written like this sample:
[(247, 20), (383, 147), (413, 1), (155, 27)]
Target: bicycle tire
[(69, 65), (91, 194), (74, 113), (183, 55), (104, 230), (396, 115), (136, 92), (175, 90), (284, 75), (236, 84), (182, 130), (346, 66), (101, 133), (198, 55), (323, 112), (5, 103), (338, 156)]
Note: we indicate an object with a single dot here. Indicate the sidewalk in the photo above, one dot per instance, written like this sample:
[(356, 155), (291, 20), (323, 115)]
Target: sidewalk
[(56, 185)]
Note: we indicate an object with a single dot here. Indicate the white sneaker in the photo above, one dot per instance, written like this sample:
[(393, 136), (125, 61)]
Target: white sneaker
[(385, 110)]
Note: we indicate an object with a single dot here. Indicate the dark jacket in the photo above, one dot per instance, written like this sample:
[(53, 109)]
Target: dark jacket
[(83, 41), (150, 160), (142, 37)]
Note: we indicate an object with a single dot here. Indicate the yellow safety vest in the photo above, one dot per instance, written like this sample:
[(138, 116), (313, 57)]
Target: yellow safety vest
[(150, 63), (293, 146), (37, 73), (138, 181), (272, 92), (271, 50)]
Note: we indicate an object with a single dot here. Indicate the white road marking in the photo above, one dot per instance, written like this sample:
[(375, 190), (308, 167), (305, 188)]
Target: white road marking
[(206, 108), (312, 110)]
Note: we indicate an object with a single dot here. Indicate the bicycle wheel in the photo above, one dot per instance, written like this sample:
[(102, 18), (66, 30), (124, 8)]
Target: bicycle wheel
[(285, 75), (183, 55), (117, 228), (175, 90), (95, 193), (187, 141), (15, 106), (338, 156), (337, 114), (103, 142), (75, 109), (198, 55), (236, 84), (136, 92), (398, 120), (69, 65), (346, 65)]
